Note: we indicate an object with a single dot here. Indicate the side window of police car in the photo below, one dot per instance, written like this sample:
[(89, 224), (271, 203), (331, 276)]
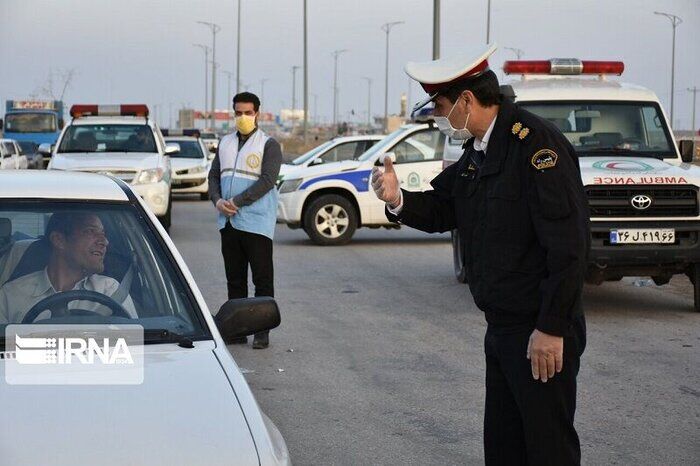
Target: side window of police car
[(346, 151), (424, 146)]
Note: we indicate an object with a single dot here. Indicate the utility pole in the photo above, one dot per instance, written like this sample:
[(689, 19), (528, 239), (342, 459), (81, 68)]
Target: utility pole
[(694, 90), (675, 21), (294, 93), (306, 79), (238, 50), (336, 53), (262, 89), (206, 76), (386, 27), (214, 29), (369, 100), (229, 103), (518, 52), (488, 22), (436, 29)]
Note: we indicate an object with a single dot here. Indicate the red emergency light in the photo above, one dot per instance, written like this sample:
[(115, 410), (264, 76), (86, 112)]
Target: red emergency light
[(563, 66), (140, 110)]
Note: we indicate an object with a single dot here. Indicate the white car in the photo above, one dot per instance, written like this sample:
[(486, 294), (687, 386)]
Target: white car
[(193, 405), (11, 156), (336, 150), (330, 201), (190, 167), (210, 140), (118, 140)]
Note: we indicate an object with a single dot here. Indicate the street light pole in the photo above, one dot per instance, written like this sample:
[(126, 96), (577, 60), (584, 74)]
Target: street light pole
[(306, 79), (488, 22), (436, 29), (206, 75), (214, 29), (518, 52), (294, 92), (228, 74), (386, 27), (694, 90), (238, 50), (336, 53), (369, 99), (675, 21)]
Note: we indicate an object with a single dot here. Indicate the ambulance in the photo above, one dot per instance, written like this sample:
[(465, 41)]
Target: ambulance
[(641, 187)]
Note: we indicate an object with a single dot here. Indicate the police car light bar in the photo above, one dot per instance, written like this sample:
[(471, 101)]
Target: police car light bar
[(140, 110), (563, 66)]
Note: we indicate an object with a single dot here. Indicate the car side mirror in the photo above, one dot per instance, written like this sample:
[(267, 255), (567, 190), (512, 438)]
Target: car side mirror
[(242, 317), (172, 148), (317, 161), (380, 160), (45, 149), (686, 148)]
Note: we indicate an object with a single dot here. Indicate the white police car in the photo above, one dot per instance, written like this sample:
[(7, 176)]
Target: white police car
[(337, 149), (190, 166), (118, 140), (330, 201), (193, 405)]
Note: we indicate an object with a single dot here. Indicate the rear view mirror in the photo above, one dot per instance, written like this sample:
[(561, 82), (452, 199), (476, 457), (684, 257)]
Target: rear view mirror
[(686, 148), (380, 160), (45, 149), (242, 317)]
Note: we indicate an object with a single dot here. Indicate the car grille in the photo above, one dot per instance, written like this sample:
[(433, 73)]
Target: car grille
[(667, 201), (182, 172)]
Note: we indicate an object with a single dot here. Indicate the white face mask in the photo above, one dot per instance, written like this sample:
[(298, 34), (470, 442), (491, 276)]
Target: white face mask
[(445, 126)]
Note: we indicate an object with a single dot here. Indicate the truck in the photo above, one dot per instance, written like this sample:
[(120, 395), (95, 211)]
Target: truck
[(643, 192), (37, 121)]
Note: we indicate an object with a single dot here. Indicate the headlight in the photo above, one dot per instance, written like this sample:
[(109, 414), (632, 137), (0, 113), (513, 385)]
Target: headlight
[(289, 186), (152, 175), (195, 170)]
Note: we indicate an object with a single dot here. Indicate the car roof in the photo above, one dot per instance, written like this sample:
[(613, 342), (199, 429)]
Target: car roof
[(58, 184), (576, 88), (361, 137), (115, 120)]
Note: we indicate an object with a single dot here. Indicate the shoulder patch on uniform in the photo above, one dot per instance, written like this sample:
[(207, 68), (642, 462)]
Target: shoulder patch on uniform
[(543, 159), (520, 131)]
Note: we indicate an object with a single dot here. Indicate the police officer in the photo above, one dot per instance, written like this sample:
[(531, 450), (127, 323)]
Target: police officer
[(242, 187), (517, 200)]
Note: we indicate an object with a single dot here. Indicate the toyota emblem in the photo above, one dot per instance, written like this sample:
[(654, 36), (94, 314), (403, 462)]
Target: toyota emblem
[(641, 202)]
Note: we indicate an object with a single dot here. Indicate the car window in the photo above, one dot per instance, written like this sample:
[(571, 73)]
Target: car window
[(28, 122), (27, 147), (109, 249), (108, 138), (341, 152), (420, 147), (189, 149), (9, 148)]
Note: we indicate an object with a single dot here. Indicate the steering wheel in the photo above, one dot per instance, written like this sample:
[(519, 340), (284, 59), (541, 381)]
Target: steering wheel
[(58, 304)]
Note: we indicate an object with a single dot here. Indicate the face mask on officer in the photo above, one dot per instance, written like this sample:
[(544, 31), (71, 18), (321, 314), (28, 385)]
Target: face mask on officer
[(445, 125), (245, 124)]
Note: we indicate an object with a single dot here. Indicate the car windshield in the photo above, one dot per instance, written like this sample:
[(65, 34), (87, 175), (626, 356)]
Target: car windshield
[(632, 128), (90, 247), (108, 138), (28, 122), (28, 147), (381, 146), (189, 149), (312, 153)]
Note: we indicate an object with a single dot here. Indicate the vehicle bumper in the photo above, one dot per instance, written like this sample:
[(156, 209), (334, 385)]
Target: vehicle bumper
[(190, 183), (289, 207), (607, 260), (155, 195)]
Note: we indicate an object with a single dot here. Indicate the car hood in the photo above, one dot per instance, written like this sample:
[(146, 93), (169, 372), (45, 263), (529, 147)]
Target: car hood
[(105, 161), (325, 169), (615, 170), (183, 163), (184, 412)]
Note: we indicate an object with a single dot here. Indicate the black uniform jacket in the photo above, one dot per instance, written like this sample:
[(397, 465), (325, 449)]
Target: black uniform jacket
[(523, 217)]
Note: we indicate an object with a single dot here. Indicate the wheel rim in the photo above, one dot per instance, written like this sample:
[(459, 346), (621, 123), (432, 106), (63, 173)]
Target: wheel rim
[(331, 221)]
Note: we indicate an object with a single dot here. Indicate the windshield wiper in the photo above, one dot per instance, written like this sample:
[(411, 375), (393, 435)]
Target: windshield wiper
[(163, 335), (618, 150)]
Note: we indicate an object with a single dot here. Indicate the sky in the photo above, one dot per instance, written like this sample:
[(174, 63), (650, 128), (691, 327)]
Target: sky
[(141, 51)]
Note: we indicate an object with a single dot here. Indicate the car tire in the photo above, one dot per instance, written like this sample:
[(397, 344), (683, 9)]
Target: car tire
[(695, 279), (458, 257), (330, 220), (166, 219)]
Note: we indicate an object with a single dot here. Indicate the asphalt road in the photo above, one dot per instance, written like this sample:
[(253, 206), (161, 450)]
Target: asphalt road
[(379, 358)]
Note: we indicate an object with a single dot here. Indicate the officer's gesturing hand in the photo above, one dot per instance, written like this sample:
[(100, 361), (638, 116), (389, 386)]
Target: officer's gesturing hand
[(386, 184), (546, 355), (227, 208)]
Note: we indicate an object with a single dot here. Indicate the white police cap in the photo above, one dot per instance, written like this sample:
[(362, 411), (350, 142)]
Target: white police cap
[(438, 75)]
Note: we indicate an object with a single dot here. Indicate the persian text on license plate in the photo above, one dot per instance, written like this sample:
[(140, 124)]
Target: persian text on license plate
[(643, 236)]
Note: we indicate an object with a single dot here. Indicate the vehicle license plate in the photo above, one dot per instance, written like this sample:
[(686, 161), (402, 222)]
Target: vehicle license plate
[(643, 236)]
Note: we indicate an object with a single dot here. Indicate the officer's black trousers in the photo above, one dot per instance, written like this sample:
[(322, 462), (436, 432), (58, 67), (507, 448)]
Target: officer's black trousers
[(528, 422), (240, 249)]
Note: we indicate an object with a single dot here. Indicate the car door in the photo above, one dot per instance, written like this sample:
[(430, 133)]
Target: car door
[(4, 160), (419, 159), (22, 162), (9, 158)]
